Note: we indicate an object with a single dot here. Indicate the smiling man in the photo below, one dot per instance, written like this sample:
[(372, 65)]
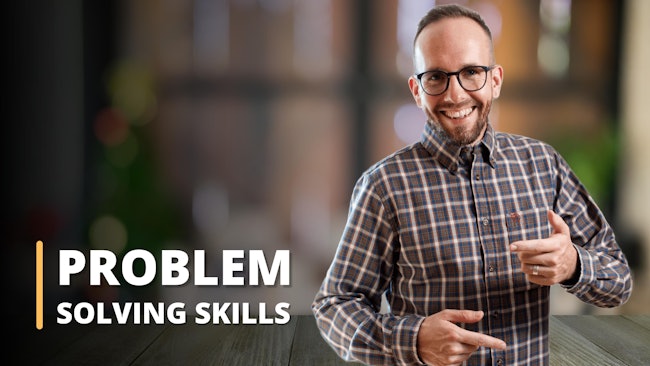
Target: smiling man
[(456, 103), (465, 230)]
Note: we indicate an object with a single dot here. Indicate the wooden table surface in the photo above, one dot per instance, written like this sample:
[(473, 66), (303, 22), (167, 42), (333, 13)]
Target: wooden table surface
[(574, 340)]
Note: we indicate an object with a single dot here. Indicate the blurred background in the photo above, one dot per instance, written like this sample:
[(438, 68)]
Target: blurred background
[(243, 124)]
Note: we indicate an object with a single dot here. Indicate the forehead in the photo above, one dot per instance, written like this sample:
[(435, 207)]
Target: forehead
[(451, 44)]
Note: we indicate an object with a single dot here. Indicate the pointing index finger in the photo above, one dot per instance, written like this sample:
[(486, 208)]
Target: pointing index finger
[(533, 246), (481, 340)]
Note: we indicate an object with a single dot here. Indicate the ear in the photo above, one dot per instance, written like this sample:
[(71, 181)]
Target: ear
[(415, 90), (497, 81)]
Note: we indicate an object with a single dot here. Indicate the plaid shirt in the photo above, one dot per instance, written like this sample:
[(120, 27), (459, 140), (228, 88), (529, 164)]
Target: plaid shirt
[(430, 227)]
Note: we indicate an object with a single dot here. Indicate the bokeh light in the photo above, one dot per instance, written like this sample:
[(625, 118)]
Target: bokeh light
[(109, 233)]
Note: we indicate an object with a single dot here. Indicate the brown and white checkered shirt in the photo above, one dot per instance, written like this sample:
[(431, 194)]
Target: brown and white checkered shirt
[(430, 227)]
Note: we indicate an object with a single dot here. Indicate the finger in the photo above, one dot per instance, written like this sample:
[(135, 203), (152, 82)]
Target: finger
[(481, 340), (543, 259), (543, 245), (534, 270), (558, 224), (458, 349), (536, 246), (461, 316), (533, 246), (460, 358)]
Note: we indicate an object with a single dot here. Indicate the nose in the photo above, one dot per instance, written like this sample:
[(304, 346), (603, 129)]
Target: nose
[(454, 93)]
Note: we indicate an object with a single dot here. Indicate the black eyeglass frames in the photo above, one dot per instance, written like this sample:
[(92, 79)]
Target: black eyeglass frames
[(470, 78)]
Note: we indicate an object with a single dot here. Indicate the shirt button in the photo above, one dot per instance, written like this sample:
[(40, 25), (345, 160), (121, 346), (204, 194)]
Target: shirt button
[(485, 221), (500, 361), (478, 176), (491, 268), (495, 314)]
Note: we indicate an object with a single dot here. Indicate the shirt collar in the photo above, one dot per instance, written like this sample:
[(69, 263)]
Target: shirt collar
[(448, 152)]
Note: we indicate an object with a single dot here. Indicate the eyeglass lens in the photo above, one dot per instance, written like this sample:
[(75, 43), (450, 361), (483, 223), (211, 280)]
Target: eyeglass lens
[(470, 78)]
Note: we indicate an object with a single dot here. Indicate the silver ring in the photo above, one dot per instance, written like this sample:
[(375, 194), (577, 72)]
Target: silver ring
[(535, 270)]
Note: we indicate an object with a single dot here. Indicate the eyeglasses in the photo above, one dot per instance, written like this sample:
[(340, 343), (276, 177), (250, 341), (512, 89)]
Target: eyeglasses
[(470, 78)]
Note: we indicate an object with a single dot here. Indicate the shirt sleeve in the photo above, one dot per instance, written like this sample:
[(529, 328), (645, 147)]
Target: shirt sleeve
[(604, 277), (347, 306)]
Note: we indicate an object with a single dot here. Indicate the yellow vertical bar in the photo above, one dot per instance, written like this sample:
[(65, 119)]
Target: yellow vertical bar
[(39, 285)]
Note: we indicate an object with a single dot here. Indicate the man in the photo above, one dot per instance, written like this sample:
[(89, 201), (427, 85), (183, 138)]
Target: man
[(464, 231)]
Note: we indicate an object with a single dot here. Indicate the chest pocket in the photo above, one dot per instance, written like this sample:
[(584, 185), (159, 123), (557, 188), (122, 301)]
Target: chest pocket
[(528, 224)]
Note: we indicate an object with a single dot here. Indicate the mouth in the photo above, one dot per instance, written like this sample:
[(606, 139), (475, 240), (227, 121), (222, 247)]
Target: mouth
[(458, 114)]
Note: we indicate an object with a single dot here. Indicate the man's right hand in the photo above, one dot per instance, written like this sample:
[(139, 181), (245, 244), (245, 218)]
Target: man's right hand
[(442, 342)]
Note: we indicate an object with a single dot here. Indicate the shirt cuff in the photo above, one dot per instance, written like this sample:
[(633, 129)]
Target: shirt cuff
[(405, 342)]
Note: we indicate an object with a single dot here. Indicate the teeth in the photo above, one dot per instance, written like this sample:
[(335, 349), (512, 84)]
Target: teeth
[(458, 114)]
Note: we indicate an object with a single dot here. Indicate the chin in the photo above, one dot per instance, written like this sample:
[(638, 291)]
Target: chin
[(466, 135)]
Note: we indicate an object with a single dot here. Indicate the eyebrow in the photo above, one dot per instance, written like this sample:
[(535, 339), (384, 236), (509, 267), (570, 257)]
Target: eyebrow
[(448, 71)]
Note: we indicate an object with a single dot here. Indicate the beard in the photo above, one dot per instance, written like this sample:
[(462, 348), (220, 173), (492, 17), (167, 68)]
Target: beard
[(462, 135)]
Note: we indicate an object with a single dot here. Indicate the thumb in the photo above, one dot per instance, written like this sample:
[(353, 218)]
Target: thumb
[(558, 224), (461, 316)]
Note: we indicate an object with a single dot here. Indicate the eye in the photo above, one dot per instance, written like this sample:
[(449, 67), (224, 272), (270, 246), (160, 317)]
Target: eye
[(472, 71), (434, 76)]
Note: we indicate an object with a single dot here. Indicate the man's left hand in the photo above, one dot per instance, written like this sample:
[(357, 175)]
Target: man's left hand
[(548, 261)]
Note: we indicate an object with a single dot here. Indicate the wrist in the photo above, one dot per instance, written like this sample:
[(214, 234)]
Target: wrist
[(575, 276)]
